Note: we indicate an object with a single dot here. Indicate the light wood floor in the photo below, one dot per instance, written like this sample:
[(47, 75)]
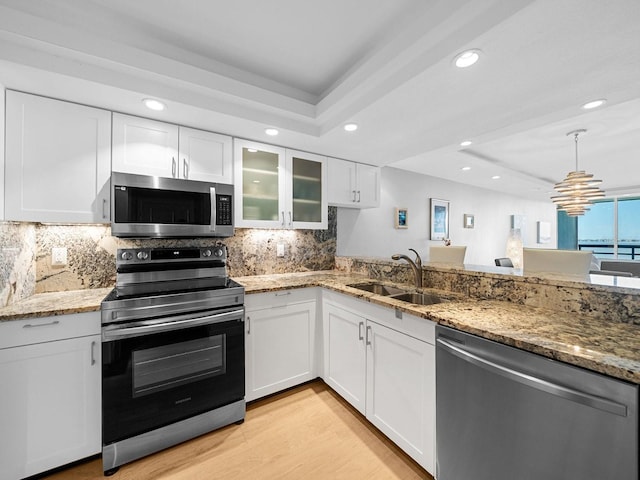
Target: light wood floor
[(306, 433)]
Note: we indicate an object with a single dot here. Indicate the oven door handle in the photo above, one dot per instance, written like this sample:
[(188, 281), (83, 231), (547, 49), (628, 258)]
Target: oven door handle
[(146, 327)]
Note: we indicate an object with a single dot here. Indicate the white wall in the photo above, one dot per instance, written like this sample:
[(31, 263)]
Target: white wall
[(2, 102), (371, 232)]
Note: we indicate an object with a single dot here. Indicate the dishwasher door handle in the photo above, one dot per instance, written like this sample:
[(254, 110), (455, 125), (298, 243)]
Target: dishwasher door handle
[(567, 393)]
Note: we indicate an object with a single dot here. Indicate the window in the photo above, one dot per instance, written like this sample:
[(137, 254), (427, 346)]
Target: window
[(610, 229)]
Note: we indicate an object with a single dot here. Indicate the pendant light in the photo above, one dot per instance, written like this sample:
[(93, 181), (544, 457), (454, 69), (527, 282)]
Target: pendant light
[(579, 189)]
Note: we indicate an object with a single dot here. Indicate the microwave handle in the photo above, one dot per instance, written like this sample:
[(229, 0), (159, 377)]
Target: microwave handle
[(212, 191)]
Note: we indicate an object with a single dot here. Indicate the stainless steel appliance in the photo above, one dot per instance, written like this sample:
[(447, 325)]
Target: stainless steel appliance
[(172, 351), (504, 414), (146, 206)]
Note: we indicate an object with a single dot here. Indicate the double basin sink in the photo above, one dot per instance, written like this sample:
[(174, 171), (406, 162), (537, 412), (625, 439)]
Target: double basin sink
[(399, 294)]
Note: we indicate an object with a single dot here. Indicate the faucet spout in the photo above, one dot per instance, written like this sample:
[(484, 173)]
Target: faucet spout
[(415, 266)]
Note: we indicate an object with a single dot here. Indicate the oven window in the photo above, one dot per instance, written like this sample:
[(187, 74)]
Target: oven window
[(168, 366)]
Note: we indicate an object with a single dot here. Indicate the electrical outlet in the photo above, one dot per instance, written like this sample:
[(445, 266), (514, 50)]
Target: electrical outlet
[(59, 256), (280, 250)]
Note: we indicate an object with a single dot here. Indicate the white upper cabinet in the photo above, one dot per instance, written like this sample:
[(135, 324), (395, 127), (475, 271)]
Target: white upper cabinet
[(58, 161), (354, 185), (148, 147), (205, 155), (278, 188)]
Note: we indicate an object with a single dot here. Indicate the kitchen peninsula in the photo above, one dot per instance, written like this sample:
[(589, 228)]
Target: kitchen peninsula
[(505, 308)]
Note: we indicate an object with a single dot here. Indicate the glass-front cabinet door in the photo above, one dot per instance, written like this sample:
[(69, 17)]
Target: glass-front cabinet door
[(278, 188), (308, 187), (259, 185)]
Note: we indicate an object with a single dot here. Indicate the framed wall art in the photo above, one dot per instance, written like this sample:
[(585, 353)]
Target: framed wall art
[(439, 219), (468, 220), (401, 218)]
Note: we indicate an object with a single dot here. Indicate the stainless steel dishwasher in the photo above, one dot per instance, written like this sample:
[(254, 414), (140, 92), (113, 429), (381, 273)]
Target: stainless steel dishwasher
[(506, 414)]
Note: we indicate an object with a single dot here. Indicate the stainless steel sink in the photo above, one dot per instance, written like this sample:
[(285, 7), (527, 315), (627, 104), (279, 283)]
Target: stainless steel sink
[(419, 298), (377, 288)]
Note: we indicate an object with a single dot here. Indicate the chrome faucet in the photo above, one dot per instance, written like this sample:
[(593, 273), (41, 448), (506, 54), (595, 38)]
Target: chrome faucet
[(415, 266)]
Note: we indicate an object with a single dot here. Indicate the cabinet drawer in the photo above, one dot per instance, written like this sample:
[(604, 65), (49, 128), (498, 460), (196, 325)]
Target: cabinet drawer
[(279, 298), (28, 331)]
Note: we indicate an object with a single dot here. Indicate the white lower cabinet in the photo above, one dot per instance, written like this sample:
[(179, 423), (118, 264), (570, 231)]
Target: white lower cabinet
[(384, 365), (50, 403), (280, 338)]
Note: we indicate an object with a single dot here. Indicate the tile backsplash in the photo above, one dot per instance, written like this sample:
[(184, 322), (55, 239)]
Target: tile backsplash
[(25, 254)]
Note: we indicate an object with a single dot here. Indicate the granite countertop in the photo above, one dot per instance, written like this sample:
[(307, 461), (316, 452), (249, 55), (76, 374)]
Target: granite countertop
[(55, 303), (607, 347)]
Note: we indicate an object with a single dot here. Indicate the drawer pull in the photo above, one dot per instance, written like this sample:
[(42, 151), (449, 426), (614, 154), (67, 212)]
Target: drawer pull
[(283, 294), (28, 325)]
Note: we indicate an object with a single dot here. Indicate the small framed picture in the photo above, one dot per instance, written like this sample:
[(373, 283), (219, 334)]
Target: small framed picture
[(401, 220), (468, 220), (544, 232), (439, 219)]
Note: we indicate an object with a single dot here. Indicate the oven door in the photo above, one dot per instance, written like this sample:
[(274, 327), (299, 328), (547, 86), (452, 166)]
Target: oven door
[(157, 372)]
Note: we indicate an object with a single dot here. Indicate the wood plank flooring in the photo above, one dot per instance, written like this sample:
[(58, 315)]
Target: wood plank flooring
[(305, 433)]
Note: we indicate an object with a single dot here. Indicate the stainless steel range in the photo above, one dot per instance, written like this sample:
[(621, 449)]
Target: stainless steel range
[(172, 351)]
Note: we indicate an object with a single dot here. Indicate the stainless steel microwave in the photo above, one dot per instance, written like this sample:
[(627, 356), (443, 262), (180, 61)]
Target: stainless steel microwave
[(146, 206)]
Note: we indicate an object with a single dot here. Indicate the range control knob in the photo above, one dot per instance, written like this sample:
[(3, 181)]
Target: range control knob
[(142, 255), (126, 256), (206, 253), (218, 252)]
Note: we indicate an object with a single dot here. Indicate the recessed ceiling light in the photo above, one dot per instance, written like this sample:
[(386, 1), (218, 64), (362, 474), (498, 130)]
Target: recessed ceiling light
[(351, 127), (465, 169), (466, 143), (495, 177), (466, 58), (153, 104), (594, 103), (271, 131)]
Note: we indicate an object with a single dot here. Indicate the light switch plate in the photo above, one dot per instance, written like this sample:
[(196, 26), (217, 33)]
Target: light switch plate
[(59, 256), (280, 250)]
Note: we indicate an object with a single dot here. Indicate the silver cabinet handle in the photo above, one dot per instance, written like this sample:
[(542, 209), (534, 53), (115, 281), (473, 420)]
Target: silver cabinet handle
[(173, 167), (360, 325), (290, 219), (283, 294), (368, 341), (358, 196), (185, 168), (248, 325), (48, 324), (105, 213), (283, 218), (562, 391), (354, 195), (93, 357)]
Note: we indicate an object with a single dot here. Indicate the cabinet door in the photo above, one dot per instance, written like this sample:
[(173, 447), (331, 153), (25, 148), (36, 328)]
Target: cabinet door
[(341, 183), (401, 390), (260, 186), (345, 354), (307, 190), (205, 156), (368, 186), (50, 405), (57, 161), (279, 348), (145, 147)]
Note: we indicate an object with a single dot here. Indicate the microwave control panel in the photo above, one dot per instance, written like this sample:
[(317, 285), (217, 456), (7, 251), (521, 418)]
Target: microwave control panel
[(224, 214)]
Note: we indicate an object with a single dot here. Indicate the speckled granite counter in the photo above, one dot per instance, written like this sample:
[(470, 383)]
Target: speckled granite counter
[(612, 348), (55, 303)]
